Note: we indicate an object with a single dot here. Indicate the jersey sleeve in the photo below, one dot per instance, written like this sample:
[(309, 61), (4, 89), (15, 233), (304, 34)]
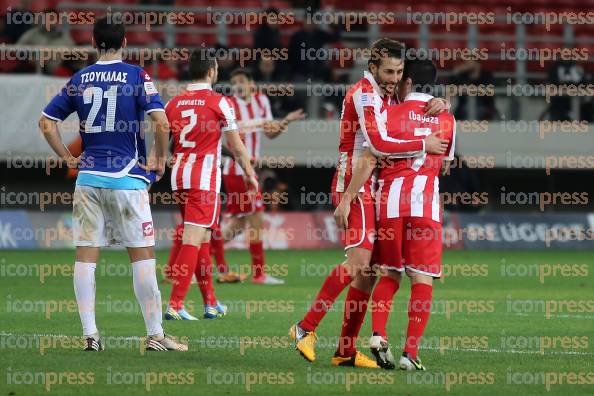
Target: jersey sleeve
[(267, 108), (148, 97), (63, 104), (226, 113), (452, 133), (368, 106)]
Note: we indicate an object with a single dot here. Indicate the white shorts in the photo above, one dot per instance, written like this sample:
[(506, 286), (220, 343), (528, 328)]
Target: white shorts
[(103, 217)]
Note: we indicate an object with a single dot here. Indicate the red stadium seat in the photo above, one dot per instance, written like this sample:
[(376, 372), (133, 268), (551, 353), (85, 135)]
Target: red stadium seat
[(240, 40), (38, 6), (140, 38), (194, 40), (82, 36), (8, 66), (193, 3), (491, 37), (281, 5)]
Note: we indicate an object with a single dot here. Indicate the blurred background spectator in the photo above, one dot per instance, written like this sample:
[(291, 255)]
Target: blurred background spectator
[(270, 70), (471, 73), (50, 36), (11, 30), (305, 47), (563, 72), (267, 35)]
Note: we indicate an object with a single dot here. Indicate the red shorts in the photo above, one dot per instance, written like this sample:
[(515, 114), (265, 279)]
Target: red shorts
[(412, 243), (238, 201), (361, 230), (201, 208)]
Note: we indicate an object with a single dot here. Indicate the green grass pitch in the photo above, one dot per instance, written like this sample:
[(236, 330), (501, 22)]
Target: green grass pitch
[(513, 323)]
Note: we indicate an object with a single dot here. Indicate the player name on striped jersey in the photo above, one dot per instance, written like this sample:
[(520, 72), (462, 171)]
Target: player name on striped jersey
[(420, 117), (190, 102)]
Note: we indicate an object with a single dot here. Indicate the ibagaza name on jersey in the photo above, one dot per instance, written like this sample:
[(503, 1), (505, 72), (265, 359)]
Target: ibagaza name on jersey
[(418, 117)]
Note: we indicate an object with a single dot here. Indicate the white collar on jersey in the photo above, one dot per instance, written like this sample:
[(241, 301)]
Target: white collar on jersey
[(198, 86), (419, 96), (369, 77), (109, 62)]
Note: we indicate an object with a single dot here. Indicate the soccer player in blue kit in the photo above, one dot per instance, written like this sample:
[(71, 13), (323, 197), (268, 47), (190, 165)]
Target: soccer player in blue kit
[(111, 201)]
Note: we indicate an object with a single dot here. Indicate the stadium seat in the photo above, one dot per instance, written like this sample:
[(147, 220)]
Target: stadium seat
[(81, 35), (240, 40), (194, 40), (8, 66), (193, 3), (141, 38)]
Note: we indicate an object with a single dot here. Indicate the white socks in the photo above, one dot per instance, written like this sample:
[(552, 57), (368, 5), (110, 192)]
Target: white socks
[(145, 287), (148, 295), (84, 289)]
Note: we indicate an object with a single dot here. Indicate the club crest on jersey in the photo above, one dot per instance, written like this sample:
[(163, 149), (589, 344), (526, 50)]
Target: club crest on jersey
[(147, 229), (367, 99)]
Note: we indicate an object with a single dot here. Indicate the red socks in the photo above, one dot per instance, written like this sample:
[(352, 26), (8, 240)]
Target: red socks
[(355, 307), (334, 284), (217, 243), (182, 271), (177, 242), (419, 308), (257, 252), (383, 297), (203, 273)]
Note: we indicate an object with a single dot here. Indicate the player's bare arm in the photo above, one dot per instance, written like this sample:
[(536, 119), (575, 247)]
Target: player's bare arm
[(250, 126), (362, 170), (274, 128), (158, 157), (433, 144), (242, 157), (445, 168), (51, 133)]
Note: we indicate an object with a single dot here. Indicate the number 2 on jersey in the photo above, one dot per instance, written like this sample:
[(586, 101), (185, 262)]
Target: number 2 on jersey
[(182, 137)]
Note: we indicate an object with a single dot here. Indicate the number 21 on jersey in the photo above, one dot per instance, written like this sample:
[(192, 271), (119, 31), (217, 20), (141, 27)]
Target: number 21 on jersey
[(94, 96)]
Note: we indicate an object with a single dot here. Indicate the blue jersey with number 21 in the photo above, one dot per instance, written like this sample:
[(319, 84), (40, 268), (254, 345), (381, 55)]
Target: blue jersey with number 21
[(110, 98)]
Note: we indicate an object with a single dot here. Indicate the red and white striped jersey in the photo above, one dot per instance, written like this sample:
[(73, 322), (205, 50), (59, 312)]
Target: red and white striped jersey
[(409, 187), (197, 118), (363, 119), (251, 115)]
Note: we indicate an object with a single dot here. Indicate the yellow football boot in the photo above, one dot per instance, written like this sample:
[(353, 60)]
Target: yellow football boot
[(231, 277), (304, 342), (357, 360)]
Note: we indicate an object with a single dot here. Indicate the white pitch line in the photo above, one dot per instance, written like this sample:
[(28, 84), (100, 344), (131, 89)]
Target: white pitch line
[(513, 351), (540, 314), (194, 341)]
